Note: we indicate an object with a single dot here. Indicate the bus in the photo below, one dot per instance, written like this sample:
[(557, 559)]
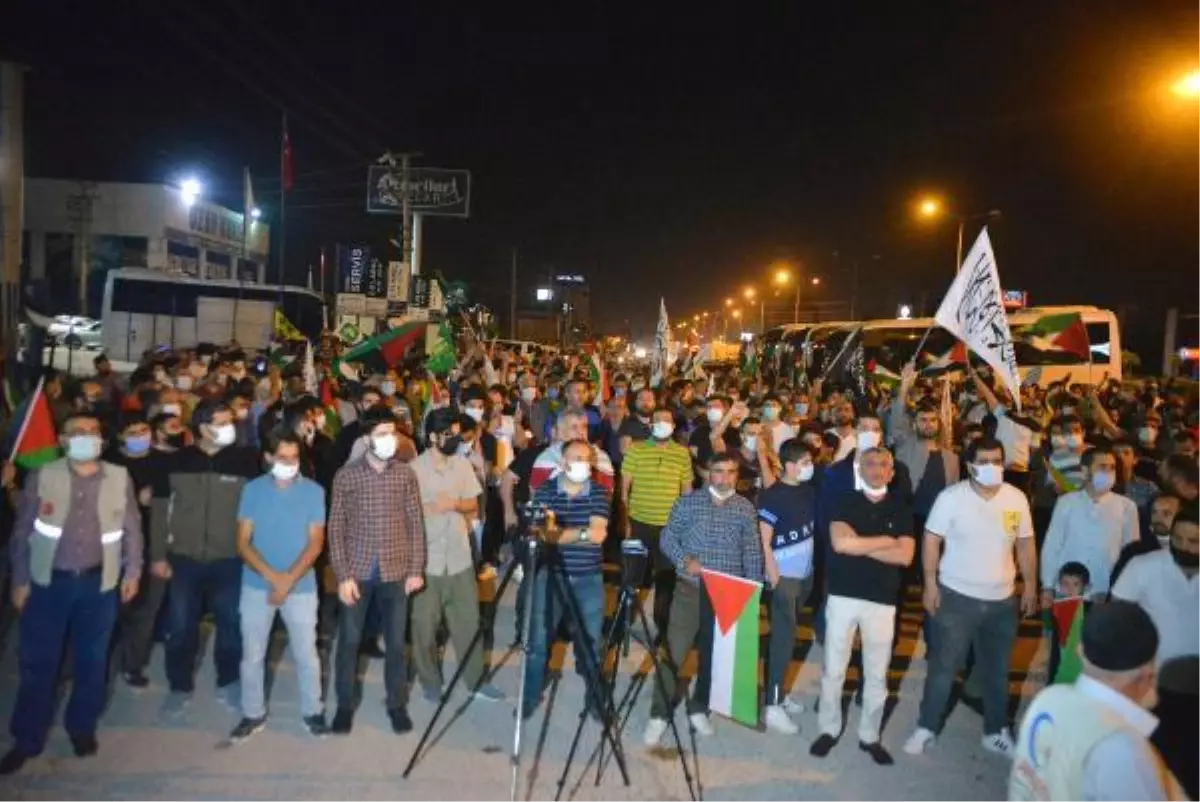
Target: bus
[(145, 309), (893, 342)]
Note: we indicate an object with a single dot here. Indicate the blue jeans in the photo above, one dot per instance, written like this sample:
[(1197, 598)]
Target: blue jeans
[(69, 604), (299, 612), (393, 607), (548, 613), (218, 582), (992, 627)]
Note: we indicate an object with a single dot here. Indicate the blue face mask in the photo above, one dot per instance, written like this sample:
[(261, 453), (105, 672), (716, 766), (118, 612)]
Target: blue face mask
[(552, 393), (137, 445)]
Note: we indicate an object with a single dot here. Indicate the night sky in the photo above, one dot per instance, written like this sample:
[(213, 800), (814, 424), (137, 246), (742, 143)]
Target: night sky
[(675, 152)]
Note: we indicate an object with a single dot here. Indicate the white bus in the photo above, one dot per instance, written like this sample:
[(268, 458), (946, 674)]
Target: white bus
[(893, 342), (145, 309)]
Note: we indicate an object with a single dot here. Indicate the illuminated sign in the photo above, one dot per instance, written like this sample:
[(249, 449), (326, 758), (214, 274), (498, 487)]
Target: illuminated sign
[(572, 278), (1016, 299)]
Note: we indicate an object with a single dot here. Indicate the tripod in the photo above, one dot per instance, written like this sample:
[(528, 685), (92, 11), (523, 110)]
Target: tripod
[(592, 671), (628, 611)]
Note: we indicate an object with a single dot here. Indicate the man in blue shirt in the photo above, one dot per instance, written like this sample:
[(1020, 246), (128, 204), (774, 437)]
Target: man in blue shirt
[(787, 511), (281, 531), (576, 526)]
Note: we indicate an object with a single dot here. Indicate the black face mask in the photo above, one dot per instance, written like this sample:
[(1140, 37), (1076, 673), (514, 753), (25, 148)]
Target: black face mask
[(176, 440), (450, 445), (1184, 559)]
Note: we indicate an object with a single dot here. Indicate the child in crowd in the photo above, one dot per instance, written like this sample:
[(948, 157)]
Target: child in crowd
[(1074, 583)]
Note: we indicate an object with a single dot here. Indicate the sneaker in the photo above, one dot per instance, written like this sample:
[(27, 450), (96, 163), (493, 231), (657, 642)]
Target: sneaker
[(343, 721), (488, 693), (316, 725), (401, 723), (793, 707), (12, 761), (136, 680), (84, 745), (779, 721), (701, 724), (654, 731), (919, 741), (247, 727), (999, 743), (821, 746), (877, 753), (231, 696), (175, 703)]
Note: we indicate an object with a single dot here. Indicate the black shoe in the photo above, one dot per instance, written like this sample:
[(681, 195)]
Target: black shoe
[(316, 726), (877, 753), (247, 727), (84, 745), (371, 648), (343, 721), (821, 746), (401, 723), (12, 761), (136, 679)]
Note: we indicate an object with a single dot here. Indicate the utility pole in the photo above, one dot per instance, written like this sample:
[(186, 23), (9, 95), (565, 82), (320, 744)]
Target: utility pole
[(79, 212), (512, 299), (12, 201)]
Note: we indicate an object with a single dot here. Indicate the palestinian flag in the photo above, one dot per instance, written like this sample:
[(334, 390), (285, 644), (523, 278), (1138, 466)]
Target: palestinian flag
[(442, 356), (37, 441), (734, 691), (954, 359), (1068, 621), (391, 345), (1062, 483), (883, 377), (1063, 333)]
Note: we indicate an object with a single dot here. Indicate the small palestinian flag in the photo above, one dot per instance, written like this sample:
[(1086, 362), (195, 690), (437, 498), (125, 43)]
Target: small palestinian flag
[(734, 691), (37, 441), (1068, 623), (952, 360), (1064, 333), (883, 377)]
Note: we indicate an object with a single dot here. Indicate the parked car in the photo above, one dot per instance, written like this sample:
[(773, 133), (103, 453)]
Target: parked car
[(77, 332)]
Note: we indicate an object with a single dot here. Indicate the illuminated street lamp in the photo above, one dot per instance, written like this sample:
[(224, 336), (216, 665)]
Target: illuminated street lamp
[(736, 314), (728, 302), (189, 190), (255, 213), (748, 293), (930, 207), (1187, 86)]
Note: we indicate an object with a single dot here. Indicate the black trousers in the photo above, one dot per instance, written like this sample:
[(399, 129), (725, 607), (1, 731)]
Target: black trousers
[(660, 574)]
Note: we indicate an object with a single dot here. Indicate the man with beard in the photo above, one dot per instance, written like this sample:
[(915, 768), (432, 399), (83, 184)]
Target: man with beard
[(1162, 515)]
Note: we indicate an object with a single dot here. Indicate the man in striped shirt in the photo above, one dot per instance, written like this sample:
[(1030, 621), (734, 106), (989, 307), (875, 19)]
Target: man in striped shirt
[(576, 526), (716, 529), (654, 474), (377, 548)]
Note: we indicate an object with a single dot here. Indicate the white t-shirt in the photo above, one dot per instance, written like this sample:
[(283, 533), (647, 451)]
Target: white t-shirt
[(780, 434), (979, 539), (1169, 596)]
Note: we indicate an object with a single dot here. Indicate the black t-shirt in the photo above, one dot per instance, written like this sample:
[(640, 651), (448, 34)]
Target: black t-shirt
[(701, 440), (748, 476), (522, 468), (865, 577), (633, 428)]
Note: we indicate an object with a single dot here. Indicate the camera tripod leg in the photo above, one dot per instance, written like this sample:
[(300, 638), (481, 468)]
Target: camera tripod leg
[(530, 574)]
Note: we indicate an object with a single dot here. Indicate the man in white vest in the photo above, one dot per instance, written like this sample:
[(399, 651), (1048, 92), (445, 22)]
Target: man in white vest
[(76, 546), (1090, 740)]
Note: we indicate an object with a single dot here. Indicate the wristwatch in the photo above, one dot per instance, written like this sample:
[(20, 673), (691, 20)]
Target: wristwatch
[(584, 535)]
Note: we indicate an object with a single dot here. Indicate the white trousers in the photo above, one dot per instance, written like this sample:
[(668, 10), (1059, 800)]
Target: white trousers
[(874, 622)]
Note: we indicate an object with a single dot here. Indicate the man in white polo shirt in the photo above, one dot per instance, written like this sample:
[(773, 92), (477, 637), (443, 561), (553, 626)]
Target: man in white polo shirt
[(969, 591)]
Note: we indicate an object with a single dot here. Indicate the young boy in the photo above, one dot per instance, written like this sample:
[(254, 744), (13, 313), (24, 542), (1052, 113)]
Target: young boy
[(1073, 588)]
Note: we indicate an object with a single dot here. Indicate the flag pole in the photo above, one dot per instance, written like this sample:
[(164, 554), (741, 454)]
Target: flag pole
[(842, 352), (284, 145)]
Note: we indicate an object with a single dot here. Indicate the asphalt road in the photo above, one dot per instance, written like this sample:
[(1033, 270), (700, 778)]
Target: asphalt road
[(144, 756)]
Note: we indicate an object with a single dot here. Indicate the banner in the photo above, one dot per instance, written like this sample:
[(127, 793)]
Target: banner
[(432, 190), (352, 269), (660, 359), (973, 311)]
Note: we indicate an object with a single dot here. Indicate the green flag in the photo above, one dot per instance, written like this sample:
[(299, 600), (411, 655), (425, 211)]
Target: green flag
[(442, 356)]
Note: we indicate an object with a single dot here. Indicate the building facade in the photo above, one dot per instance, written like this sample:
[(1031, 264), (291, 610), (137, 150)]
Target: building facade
[(77, 231)]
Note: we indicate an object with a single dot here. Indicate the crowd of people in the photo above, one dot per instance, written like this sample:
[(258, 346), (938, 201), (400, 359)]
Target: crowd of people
[(365, 506)]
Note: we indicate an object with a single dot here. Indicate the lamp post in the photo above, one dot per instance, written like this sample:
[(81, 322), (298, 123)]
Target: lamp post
[(750, 294), (931, 207)]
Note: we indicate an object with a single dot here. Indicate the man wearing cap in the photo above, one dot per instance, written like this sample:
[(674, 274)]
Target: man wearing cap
[(1089, 740)]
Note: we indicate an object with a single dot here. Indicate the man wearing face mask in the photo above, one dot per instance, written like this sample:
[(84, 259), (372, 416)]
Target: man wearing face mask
[(720, 421), (169, 433), (655, 473), (377, 550), (534, 411), (1089, 740), (1166, 584), (450, 494), (752, 456), (772, 419), (193, 545), (969, 592), (787, 518), (136, 455), (1089, 526), (637, 428), (76, 549), (1059, 473), (281, 531), (716, 529)]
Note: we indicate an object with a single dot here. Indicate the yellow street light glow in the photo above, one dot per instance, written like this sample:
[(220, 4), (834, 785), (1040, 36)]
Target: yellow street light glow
[(704, 314), (929, 207), (782, 277), (816, 280), (728, 302), (737, 314), (748, 293), (1188, 85)]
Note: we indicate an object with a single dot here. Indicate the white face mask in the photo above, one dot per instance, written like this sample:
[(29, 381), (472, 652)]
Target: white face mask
[(750, 442), (867, 440), (528, 394), (83, 448), (579, 472), (988, 475), (770, 412), (319, 422), (806, 472), (224, 435), (1103, 481), (1147, 435), (802, 409), (172, 409), (662, 430), (475, 414), (384, 446), (387, 388), (283, 471), (874, 493), (721, 495), (183, 382), (715, 415), (1074, 441)]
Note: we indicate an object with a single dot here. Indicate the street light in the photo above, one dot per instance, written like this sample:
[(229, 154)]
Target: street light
[(748, 293), (930, 207), (255, 213), (1187, 86), (728, 302), (190, 190)]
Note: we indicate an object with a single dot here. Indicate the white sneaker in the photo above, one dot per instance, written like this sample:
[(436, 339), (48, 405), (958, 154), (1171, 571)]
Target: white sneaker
[(701, 724), (793, 707), (1000, 743), (919, 741), (778, 721), (654, 731)]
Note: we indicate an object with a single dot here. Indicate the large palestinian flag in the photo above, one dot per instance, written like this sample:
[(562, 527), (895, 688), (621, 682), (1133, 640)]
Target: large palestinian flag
[(952, 360), (391, 345), (37, 441), (735, 646), (1063, 333)]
